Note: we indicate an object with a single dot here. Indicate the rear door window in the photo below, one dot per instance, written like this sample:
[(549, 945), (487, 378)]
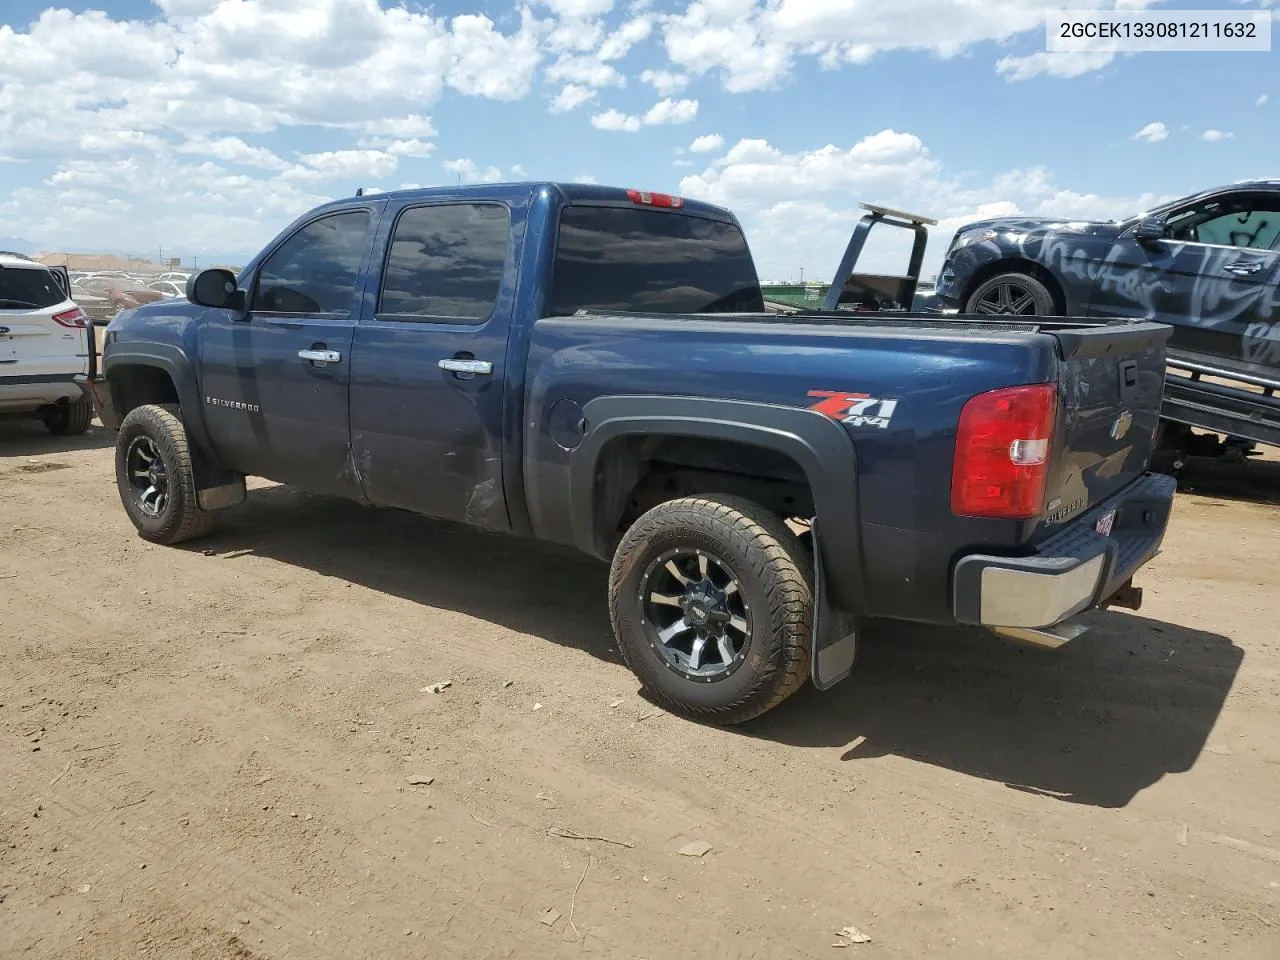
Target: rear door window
[(649, 261), (446, 263), (315, 270), (29, 288)]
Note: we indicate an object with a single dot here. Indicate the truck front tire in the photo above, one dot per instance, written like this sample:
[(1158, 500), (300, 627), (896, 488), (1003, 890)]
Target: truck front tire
[(155, 479), (711, 600)]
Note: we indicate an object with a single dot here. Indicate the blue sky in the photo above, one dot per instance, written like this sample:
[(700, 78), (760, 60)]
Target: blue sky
[(204, 126)]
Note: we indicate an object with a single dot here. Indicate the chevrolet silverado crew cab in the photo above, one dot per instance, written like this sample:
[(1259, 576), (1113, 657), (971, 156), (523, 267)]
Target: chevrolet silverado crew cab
[(43, 347), (593, 366)]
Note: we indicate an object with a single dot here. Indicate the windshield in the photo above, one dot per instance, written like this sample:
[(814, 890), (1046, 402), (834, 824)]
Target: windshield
[(649, 261)]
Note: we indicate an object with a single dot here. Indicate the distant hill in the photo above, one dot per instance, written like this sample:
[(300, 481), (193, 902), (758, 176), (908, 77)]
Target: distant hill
[(18, 245)]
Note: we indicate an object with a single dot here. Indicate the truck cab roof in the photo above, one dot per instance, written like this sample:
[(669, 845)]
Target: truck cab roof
[(571, 193)]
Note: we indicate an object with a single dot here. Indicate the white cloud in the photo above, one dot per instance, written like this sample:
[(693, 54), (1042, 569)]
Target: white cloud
[(571, 97), (619, 43), (233, 150), (579, 8), (410, 148), (615, 120), (1262, 100), (343, 165), (468, 171), (1213, 136), (221, 67), (665, 82), (412, 126), (586, 71), (709, 143), (1152, 133), (666, 111), (671, 111), (753, 45), (1064, 66), (762, 184)]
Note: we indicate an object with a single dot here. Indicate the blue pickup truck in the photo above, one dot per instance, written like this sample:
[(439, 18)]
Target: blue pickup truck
[(593, 366)]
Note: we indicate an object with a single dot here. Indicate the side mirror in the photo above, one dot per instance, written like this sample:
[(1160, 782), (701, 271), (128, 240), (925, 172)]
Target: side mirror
[(1150, 229), (214, 288)]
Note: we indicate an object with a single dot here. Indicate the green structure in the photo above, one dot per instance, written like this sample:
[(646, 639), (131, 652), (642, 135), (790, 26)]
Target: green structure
[(806, 296)]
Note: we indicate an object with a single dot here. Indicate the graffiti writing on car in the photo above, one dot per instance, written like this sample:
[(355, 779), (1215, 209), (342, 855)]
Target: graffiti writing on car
[(1262, 344)]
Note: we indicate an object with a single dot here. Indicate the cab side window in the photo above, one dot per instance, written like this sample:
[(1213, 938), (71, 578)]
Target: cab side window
[(446, 263), (315, 270), (1251, 223)]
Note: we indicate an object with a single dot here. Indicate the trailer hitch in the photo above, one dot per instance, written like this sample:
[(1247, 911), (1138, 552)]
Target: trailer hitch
[(1128, 596)]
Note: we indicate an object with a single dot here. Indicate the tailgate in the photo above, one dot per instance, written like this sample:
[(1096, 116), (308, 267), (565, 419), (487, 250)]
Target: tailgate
[(1110, 381), (26, 336)]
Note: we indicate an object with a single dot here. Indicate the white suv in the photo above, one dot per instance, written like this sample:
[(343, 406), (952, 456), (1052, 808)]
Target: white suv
[(43, 344)]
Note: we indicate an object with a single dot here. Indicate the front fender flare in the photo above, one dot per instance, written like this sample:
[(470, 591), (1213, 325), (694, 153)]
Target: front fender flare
[(818, 444), (175, 362)]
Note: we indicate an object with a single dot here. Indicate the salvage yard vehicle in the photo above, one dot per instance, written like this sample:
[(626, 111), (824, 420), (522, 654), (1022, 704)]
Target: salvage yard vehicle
[(1207, 264), (42, 348), (594, 367)]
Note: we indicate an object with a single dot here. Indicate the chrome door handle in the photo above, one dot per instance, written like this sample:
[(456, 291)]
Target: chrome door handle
[(320, 356), (1243, 268), (455, 365)]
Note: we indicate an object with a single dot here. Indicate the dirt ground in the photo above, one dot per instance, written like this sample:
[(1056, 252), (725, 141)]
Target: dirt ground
[(208, 754)]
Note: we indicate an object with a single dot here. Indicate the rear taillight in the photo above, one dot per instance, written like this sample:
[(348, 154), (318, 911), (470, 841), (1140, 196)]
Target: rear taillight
[(1002, 452), (646, 199), (70, 318)]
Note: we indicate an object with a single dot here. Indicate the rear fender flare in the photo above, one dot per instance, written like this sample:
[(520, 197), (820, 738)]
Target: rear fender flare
[(818, 444)]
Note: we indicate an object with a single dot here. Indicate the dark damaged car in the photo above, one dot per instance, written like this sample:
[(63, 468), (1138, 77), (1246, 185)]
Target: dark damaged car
[(1208, 265)]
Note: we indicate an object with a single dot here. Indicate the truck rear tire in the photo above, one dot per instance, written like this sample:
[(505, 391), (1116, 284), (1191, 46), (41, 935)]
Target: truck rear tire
[(155, 479), (70, 419), (1012, 294), (711, 600)]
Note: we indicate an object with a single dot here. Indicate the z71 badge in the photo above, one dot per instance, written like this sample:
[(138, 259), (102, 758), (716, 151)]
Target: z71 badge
[(855, 409)]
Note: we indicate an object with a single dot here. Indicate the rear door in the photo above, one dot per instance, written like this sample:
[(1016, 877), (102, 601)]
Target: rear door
[(275, 381), (1213, 278), (428, 369)]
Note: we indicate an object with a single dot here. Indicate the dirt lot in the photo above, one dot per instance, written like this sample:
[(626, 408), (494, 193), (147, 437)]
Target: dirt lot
[(207, 753)]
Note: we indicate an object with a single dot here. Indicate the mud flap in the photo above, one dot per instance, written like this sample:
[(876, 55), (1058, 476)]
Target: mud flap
[(835, 638)]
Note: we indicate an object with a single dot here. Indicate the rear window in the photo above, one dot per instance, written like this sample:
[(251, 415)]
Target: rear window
[(27, 288), (647, 261)]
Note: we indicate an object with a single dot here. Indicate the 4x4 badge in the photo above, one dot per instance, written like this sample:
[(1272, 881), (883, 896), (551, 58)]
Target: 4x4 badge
[(855, 409)]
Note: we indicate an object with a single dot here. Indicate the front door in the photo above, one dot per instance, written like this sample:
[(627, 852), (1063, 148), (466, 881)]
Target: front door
[(429, 363), (1213, 278), (275, 380)]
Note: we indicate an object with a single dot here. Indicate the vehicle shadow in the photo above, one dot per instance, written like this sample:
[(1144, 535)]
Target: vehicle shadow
[(29, 438), (531, 587), (1093, 723), (1253, 480)]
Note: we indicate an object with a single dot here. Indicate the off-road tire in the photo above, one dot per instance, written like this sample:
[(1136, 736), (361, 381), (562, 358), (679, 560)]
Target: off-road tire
[(775, 572), (181, 519), (70, 419), (1044, 305)]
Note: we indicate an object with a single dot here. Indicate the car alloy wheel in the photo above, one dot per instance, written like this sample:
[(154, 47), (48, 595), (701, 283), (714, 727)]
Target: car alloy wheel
[(147, 476), (695, 615)]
